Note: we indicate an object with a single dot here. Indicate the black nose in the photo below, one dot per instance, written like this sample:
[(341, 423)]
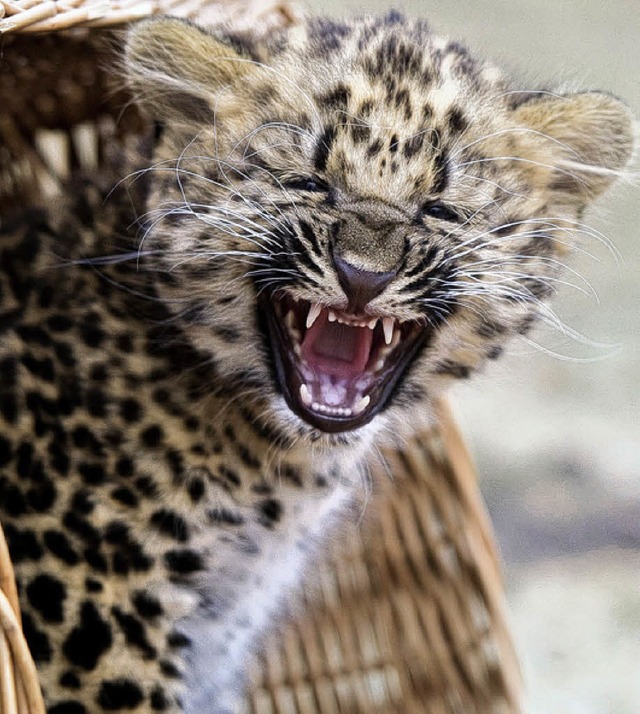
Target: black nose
[(360, 286)]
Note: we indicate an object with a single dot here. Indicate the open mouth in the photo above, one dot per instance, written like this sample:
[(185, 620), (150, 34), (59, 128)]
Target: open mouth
[(337, 370)]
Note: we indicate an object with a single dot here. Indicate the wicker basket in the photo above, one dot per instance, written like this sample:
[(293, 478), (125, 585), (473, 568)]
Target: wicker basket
[(405, 614)]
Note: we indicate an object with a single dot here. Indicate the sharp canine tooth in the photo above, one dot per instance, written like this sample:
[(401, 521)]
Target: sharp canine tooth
[(332, 316), (314, 311), (305, 395), (361, 405), (387, 326), (289, 319)]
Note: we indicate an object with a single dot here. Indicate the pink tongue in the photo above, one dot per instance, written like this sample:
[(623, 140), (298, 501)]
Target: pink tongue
[(337, 349)]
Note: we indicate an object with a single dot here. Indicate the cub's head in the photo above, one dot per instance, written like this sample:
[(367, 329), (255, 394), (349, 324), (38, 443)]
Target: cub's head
[(350, 215)]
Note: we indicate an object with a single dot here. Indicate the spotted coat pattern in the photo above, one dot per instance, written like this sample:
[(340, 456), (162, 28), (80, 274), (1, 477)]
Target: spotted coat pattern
[(158, 494)]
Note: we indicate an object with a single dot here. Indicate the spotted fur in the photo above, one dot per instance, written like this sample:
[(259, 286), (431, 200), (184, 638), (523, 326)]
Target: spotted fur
[(158, 494)]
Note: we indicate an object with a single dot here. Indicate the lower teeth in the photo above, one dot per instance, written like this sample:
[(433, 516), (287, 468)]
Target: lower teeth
[(360, 406), (305, 395), (336, 411)]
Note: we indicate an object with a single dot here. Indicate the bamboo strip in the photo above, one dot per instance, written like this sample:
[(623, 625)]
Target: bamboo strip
[(23, 19), (8, 696), (13, 7), (116, 17), (70, 18), (21, 655), (7, 579)]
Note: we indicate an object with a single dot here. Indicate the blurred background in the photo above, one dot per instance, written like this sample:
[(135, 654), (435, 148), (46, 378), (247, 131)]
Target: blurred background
[(555, 429)]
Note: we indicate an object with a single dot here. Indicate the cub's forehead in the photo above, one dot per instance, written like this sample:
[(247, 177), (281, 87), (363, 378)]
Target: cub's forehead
[(391, 65), (390, 101)]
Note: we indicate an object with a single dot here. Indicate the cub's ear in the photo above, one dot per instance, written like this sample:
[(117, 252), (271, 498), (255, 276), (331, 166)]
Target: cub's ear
[(590, 135), (177, 69)]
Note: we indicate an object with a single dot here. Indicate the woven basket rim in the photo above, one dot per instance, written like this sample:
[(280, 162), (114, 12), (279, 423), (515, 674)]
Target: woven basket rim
[(53, 16), (37, 16)]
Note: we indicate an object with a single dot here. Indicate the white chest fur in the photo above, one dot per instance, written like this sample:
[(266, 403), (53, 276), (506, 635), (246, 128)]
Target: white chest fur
[(245, 590)]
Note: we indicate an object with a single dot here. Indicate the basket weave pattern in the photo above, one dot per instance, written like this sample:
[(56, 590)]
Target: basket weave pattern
[(38, 16), (404, 614)]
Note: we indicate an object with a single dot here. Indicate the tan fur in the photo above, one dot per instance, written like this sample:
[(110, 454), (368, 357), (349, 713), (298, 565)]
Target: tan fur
[(522, 156), (161, 493)]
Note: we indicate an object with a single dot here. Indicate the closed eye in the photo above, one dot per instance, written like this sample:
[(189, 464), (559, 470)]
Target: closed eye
[(306, 183), (440, 211)]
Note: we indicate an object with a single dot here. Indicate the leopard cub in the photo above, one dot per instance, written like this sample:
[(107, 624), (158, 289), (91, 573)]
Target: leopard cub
[(334, 223)]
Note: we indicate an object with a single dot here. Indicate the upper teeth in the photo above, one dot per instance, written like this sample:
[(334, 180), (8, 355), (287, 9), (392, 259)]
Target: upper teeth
[(314, 311), (387, 326), (391, 334), (305, 395), (334, 316), (290, 322)]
